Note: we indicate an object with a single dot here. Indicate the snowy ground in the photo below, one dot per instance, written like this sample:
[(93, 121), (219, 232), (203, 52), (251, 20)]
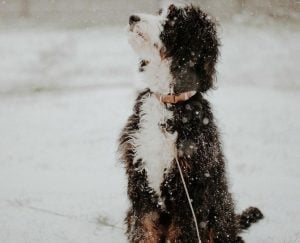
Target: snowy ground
[(64, 96)]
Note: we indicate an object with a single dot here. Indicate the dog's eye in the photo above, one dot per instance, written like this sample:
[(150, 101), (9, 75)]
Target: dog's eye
[(160, 11)]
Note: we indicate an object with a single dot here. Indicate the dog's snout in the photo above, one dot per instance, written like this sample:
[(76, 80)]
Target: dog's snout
[(133, 19)]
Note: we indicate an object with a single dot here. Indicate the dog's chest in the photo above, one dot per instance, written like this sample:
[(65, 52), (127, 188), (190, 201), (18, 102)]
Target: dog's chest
[(153, 145)]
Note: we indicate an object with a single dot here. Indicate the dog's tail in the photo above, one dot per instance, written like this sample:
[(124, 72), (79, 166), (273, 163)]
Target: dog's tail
[(249, 216)]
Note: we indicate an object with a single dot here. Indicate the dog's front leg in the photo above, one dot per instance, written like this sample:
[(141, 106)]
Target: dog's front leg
[(143, 217), (142, 196)]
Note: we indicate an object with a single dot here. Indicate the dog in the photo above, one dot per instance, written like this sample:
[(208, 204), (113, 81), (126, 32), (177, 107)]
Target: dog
[(172, 122)]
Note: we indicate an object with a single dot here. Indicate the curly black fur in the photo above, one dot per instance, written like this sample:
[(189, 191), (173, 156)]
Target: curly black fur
[(190, 39), (194, 56)]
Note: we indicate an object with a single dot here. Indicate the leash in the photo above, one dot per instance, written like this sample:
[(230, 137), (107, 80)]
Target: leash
[(174, 99), (187, 193)]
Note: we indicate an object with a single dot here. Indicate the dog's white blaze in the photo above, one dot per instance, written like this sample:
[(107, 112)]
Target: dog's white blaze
[(153, 146)]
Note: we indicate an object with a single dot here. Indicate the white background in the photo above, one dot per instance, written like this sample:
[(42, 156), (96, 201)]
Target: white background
[(65, 93)]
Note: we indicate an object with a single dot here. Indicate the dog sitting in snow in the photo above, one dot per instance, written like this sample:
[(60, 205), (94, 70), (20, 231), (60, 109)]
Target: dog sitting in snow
[(172, 122)]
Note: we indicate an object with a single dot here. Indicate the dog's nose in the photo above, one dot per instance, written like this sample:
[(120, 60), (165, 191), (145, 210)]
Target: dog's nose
[(133, 19)]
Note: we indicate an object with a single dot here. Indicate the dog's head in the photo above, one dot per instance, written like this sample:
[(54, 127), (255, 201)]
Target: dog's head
[(183, 36)]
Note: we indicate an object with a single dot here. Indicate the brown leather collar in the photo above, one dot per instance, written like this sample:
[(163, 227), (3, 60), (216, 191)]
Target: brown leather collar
[(173, 99)]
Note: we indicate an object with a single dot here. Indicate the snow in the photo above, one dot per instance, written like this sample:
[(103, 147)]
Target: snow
[(65, 94)]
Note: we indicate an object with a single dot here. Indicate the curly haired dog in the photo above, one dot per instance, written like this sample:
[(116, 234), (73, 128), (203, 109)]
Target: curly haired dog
[(171, 120)]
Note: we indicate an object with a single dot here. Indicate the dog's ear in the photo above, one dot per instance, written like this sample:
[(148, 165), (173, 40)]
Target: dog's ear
[(191, 42), (204, 45), (206, 61)]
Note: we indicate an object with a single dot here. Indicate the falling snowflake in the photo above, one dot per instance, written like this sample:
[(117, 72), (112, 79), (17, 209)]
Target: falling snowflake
[(205, 121)]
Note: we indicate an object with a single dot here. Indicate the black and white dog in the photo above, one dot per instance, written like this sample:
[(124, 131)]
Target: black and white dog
[(178, 50)]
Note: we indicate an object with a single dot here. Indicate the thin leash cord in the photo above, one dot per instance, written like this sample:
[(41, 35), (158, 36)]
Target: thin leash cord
[(183, 182), (187, 194)]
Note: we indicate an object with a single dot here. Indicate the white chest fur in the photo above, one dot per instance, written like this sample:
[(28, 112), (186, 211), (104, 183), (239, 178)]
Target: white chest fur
[(153, 146)]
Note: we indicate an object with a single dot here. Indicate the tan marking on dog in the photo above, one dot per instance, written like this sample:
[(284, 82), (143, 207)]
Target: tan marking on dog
[(210, 237), (162, 53), (151, 228), (172, 233)]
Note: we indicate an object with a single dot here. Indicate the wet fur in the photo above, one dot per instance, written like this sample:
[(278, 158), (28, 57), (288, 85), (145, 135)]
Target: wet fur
[(161, 213)]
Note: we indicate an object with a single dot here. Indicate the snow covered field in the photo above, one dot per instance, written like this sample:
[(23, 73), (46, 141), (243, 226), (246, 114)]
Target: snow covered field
[(65, 94)]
